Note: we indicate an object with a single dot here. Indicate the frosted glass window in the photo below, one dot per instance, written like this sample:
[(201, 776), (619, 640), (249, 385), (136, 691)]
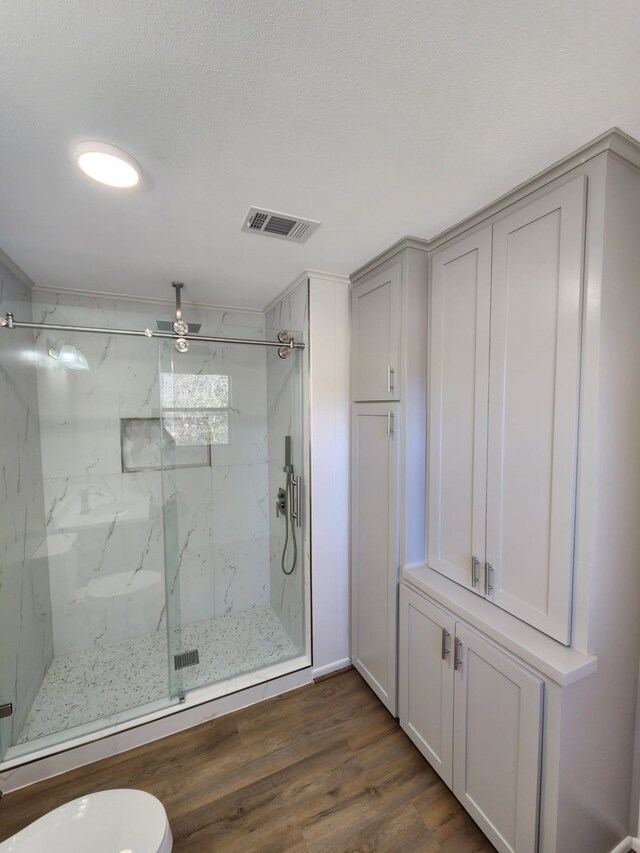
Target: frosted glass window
[(196, 408), (194, 391)]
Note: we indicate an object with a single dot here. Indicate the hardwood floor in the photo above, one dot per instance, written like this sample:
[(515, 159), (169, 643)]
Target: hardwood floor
[(325, 768)]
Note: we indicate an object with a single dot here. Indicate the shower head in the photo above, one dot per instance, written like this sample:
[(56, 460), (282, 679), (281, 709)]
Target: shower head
[(167, 326)]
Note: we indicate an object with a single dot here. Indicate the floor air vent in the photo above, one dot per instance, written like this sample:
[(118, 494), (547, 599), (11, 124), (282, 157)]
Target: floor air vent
[(274, 224), (186, 659)]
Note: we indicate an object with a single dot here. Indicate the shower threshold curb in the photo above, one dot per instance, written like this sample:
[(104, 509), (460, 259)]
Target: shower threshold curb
[(200, 705)]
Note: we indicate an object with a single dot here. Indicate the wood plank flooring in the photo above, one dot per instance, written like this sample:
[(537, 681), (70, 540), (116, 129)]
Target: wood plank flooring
[(325, 768)]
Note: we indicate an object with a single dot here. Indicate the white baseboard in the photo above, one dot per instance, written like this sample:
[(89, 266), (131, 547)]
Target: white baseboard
[(328, 668), (627, 844)]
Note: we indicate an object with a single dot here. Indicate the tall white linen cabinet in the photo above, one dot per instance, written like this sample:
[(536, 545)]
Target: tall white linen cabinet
[(495, 501)]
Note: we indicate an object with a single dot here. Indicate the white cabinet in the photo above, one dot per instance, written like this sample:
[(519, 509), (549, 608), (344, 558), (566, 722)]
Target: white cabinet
[(458, 394), (425, 682), (527, 353), (497, 741), (506, 308), (475, 713), (374, 548), (376, 337), (536, 312), (387, 452)]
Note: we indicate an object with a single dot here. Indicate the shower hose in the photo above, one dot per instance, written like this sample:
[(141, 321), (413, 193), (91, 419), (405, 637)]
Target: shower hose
[(287, 519)]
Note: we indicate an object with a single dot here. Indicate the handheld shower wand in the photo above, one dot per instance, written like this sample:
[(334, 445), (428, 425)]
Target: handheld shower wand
[(287, 506)]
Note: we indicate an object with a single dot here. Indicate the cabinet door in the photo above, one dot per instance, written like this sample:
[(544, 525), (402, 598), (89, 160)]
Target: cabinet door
[(425, 679), (375, 324), (497, 736), (374, 547), (533, 406), (457, 411)]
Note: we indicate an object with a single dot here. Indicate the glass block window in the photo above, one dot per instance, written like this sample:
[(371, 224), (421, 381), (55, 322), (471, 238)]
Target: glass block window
[(196, 408)]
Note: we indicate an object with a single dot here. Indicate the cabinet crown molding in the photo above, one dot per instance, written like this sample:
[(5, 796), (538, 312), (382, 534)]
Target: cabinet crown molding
[(614, 140), (398, 247)]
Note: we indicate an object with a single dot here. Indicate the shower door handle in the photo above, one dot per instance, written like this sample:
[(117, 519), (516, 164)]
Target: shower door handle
[(295, 502)]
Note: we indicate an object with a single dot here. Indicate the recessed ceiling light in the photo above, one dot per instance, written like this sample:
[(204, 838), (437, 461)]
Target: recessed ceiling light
[(107, 164)]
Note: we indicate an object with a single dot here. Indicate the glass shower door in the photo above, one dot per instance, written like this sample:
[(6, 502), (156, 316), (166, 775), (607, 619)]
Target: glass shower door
[(221, 472)]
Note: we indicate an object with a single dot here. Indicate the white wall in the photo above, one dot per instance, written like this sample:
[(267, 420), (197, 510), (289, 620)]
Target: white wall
[(320, 303), (329, 428)]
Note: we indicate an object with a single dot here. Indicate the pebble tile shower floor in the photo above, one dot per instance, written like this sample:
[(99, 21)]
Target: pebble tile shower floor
[(86, 686)]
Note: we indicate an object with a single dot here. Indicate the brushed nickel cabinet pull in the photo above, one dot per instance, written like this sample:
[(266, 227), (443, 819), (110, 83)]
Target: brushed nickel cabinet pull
[(475, 577), (445, 637), (488, 578), (457, 654)]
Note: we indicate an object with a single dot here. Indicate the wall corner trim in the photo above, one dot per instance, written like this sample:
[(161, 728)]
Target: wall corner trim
[(19, 273)]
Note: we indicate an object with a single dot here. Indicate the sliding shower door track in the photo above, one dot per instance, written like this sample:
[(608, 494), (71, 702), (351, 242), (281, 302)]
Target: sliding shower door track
[(286, 341)]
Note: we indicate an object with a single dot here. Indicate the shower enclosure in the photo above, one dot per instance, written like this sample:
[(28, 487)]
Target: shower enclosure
[(158, 555)]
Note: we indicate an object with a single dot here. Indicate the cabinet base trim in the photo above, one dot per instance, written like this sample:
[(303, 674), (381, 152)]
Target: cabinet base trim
[(331, 668)]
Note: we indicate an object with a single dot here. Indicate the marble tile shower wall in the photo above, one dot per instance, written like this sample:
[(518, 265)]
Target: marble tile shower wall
[(26, 642), (105, 526), (287, 592)]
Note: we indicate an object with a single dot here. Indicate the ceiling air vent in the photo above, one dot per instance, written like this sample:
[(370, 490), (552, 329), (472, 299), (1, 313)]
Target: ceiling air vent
[(274, 224)]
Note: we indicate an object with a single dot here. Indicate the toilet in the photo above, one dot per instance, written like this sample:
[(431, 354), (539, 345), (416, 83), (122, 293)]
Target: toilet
[(118, 821)]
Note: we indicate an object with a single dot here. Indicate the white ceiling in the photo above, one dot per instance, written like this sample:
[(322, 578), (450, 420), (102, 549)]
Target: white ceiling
[(378, 118)]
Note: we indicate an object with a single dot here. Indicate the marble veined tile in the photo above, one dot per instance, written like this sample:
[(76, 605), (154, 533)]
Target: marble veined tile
[(241, 498), (26, 646), (87, 686), (241, 575), (79, 419), (105, 559), (20, 465), (73, 310), (138, 377)]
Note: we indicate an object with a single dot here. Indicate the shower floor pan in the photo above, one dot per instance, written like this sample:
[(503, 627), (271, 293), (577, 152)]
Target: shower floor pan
[(86, 686)]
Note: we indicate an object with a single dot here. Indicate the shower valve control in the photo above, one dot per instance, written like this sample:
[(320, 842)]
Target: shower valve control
[(281, 503)]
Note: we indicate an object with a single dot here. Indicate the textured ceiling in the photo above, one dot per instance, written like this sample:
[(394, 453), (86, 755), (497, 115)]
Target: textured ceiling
[(378, 118)]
